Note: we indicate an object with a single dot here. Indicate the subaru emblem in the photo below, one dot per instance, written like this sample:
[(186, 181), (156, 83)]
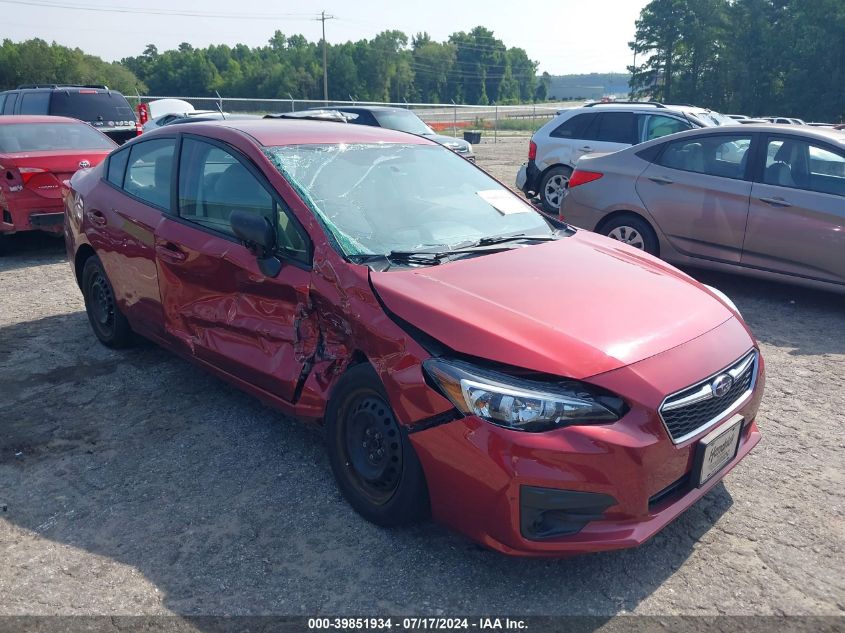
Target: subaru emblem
[(721, 385), (83, 164)]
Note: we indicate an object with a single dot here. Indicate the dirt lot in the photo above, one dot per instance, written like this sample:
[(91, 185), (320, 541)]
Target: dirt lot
[(134, 483)]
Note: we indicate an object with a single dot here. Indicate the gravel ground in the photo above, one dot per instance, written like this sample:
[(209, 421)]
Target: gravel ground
[(134, 483)]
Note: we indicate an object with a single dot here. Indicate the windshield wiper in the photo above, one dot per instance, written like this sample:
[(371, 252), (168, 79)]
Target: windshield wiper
[(520, 237)]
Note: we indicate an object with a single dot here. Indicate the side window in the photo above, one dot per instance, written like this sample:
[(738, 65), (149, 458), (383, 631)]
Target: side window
[(213, 183), (148, 173), (117, 167), (801, 165), (659, 125), (722, 155), (35, 102), (11, 100), (2, 101), (573, 127), (613, 127)]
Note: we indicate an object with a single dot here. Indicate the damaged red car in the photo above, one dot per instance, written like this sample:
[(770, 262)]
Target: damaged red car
[(36, 154), (545, 391)]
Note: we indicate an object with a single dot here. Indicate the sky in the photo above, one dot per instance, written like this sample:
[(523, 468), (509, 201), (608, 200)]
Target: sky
[(564, 36)]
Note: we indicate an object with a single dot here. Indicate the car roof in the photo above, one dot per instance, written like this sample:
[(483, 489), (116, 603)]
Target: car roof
[(828, 135), (368, 108), (270, 132), (35, 118)]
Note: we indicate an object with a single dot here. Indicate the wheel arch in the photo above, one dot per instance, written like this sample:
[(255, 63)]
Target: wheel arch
[(83, 254)]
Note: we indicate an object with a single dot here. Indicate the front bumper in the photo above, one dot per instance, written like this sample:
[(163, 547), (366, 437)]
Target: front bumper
[(629, 480)]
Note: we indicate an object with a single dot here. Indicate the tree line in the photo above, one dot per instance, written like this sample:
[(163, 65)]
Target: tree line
[(469, 67), (473, 67), (36, 61), (754, 57)]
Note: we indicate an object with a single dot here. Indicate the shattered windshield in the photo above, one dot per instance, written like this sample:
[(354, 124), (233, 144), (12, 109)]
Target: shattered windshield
[(378, 198)]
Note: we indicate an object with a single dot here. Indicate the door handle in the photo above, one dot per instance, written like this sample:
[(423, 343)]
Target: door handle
[(586, 148), (97, 217), (776, 202), (660, 180), (171, 252)]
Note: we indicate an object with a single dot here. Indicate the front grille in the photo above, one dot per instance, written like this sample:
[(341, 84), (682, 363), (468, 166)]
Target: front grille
[(690, 411)]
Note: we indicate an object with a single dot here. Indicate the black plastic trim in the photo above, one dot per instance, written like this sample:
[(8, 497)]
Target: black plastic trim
[(548, 512)]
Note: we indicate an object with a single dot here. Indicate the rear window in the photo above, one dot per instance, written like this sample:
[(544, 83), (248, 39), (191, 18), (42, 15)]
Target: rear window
[(92, 106), (38, 137)]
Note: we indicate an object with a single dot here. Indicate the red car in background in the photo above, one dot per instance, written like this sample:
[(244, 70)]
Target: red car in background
[(36, 154), (544, 390)]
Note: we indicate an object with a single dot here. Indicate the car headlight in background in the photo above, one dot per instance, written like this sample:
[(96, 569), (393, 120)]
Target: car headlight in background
[(725, 299), (518, 403)]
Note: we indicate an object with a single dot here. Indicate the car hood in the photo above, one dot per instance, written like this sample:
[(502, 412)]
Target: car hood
[(577, 307), (448, 141)]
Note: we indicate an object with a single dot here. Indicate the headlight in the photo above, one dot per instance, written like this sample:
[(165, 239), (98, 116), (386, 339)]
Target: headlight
[(725, 299), (518, 403)]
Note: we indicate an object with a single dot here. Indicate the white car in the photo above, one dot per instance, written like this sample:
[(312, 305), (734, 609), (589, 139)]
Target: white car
[(599, 128), (163, 111)]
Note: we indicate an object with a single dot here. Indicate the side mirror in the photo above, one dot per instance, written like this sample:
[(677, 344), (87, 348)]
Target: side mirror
[(257, 233)]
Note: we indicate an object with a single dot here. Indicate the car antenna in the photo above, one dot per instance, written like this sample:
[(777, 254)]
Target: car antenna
[(220, 104)]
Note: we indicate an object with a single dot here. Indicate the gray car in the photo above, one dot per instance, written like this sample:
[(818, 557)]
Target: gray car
[(764, 200), (404, 121)]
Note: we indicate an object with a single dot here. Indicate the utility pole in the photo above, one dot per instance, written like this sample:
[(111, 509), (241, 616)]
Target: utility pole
[(323, 17)]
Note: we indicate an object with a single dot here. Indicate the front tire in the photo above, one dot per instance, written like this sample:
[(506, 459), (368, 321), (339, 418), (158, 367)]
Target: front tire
[(373, 462), (552, 184), (110, 326)]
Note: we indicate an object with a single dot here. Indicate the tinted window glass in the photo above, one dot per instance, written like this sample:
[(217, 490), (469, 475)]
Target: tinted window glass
[(2, 101), (149, 172), (9, 106), (213, 183), (36, 137), (92, 106), (117, 167), (802, 165), (659, 125), (574, 127), (35, 102), (402, 120), (614, 127), (714, 155)]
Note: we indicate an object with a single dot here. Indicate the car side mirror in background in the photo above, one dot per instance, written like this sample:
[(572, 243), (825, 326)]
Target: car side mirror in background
[(258, 235)]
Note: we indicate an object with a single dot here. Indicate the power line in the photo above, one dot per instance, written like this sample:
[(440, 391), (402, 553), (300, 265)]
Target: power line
[(168, 12)]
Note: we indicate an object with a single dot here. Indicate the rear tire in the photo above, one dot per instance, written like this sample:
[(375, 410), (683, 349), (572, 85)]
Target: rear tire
[(110, 326), (373, 462), (633, 231), (551, 188)]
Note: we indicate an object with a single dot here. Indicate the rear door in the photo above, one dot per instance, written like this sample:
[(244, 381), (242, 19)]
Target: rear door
[(218, 305), (796, 221), (607, 132), (697, 192), (561, 146), (120, 218)]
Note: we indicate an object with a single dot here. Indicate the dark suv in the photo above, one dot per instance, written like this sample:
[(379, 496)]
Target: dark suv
[(107, 110)]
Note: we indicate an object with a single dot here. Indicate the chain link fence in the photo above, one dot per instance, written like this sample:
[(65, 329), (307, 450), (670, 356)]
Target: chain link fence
[(491, 121)]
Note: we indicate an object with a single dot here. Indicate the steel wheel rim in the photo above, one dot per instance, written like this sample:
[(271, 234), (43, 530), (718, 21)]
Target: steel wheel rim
[(373, 448), (628, 235), (101, 300), (554, 189)]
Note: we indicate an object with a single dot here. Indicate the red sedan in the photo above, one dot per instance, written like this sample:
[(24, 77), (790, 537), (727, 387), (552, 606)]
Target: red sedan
[(36, 154), (544, 390)]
